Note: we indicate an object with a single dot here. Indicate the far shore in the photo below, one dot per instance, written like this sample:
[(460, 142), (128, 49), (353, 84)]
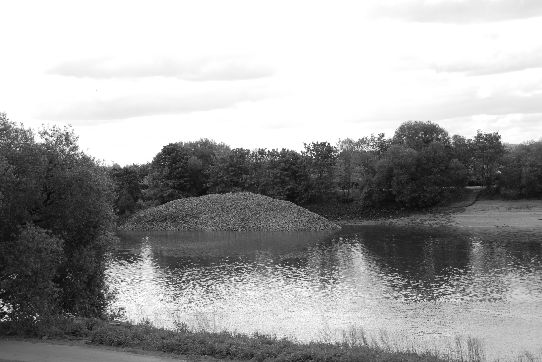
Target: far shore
[(490, 215)]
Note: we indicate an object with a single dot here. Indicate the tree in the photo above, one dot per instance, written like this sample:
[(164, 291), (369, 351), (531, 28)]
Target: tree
[(522, 171), (288, 176), (182, 170), (487, 151), (231, 172), (418, 135), (321, 158), (356, 163), (129, 187), (50, 187), (29, 266), (416, 179)]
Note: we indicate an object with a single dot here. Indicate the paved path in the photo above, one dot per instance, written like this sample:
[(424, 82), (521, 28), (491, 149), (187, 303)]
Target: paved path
[(14, 350)]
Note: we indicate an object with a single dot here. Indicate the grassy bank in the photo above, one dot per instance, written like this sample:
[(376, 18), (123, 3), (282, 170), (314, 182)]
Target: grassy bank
[(223, 345)]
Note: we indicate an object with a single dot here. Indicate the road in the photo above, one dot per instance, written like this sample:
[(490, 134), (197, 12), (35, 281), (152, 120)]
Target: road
[(34, 351)]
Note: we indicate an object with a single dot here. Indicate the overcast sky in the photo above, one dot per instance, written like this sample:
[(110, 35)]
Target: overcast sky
[(133, 76)]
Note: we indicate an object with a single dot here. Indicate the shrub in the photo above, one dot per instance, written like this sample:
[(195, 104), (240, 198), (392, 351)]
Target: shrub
[(29, 266)]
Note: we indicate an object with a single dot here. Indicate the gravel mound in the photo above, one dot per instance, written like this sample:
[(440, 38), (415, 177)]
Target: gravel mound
[(243, 211)]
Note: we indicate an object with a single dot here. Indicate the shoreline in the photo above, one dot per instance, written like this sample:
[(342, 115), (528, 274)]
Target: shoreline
[(130, 341), (488, 215)]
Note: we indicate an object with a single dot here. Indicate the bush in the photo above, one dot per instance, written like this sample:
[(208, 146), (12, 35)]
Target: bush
[(55, 220), (29, 266)]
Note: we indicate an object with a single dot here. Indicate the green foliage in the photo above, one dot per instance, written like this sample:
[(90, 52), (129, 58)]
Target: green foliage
[(129, 187), (321, 158), (522, 171), (288, 176), (281, 174), (183, 169), (243, 347), (29, 266), (419, 167), (487, 151), (222, 345), (52, 185), (418, 135), (231, 172), (416, 179)]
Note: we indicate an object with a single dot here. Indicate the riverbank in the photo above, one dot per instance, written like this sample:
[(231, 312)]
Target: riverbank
[(207, 346), (486, 215)]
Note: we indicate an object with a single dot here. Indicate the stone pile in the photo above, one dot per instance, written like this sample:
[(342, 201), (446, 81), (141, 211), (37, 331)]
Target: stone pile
[(243, 211)]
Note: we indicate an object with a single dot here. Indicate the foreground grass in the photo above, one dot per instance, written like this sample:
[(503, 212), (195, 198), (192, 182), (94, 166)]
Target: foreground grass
[(199, 343)]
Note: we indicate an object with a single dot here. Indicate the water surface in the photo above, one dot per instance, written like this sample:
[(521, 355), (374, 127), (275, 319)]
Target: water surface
[(419, 286)]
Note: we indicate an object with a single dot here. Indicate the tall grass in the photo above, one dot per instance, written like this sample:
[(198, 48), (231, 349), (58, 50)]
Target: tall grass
[(356, 344)]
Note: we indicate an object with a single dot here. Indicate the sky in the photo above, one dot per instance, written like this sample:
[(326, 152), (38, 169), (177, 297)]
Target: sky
[(133, 76)]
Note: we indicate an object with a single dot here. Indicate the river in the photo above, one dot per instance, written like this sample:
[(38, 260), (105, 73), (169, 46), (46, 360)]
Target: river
[(426, 288)]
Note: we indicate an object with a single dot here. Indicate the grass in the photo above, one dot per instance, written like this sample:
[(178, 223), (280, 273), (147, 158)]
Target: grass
[(356, 344), (227, 345)]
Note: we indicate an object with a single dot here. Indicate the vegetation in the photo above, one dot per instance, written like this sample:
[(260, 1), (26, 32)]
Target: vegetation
[(522, 171), (242, 211), (219, 345), (55, 220), (419, 167)]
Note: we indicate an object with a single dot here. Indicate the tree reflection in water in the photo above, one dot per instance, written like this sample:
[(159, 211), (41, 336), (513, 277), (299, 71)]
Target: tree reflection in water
[(428, 284)]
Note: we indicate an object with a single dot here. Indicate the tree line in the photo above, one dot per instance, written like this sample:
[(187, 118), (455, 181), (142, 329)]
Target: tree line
[(421, 165)]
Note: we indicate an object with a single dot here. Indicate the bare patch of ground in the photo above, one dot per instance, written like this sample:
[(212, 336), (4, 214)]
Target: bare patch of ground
[(493, 214), (525, 215)]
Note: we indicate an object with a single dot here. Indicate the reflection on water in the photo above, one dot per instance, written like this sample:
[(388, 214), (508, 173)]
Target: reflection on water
[(422, 284)]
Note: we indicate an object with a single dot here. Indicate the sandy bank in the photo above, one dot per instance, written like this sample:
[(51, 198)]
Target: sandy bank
[(525, 215), (521, 214)]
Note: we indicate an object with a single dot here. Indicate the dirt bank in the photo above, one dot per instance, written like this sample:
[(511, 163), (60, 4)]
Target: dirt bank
[(525, 215)]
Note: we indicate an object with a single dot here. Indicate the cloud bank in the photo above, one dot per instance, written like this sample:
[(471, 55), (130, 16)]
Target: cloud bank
[(497, 64), (109, 110), (202, 69), (463, 105), (460, 11)]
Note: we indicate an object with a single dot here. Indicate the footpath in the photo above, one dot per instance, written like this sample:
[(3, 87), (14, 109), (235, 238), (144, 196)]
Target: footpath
[(35, 351)]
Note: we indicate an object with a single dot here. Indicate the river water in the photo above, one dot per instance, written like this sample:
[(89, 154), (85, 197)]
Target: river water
[(404, 286)]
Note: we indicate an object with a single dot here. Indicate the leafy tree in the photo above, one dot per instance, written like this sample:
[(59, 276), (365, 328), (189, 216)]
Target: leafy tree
[(50, 186), (129, 187), (487, 151), (416, 179), (418, 135), (29, 266), (288, 176), (461, 147), (522, 171), (356, 163), (321, 158), (182, 170), (231, 172), (258, 173)]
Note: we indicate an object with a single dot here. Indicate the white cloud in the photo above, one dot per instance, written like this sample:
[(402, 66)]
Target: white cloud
[(495, 63), (109, 110), (459, 11), (221, 68)]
